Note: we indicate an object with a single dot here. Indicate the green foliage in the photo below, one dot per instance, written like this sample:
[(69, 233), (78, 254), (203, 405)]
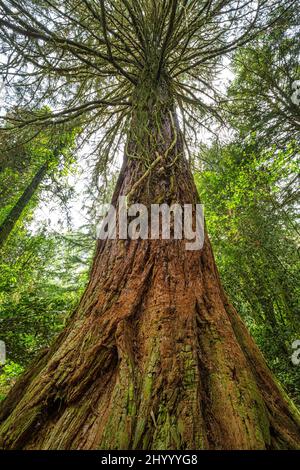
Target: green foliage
[(41, 280), (89, 65), (260, 97), (8, 375), (250, 191), (41, 275), (253, 228), (20, 162)]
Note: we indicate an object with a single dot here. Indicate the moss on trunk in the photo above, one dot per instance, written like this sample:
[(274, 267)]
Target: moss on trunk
[(154, 357)]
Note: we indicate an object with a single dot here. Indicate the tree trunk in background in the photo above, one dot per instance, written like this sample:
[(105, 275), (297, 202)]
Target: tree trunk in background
[(154, 357), (15, 213)]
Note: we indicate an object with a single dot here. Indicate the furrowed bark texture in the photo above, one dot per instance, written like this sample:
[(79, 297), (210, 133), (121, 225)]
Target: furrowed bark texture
[(155, 357)]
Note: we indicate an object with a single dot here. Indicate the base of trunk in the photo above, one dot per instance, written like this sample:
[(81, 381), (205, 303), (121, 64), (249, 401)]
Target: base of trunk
[(159, 361)]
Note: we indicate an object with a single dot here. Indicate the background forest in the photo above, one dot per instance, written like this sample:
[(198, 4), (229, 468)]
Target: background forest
[(246, 172)]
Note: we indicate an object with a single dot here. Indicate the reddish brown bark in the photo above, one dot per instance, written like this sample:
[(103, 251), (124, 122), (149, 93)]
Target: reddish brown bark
[(16, 211), (155, 357)]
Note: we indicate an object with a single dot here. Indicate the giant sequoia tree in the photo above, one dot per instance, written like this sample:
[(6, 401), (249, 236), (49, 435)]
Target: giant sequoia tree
[(154, 356)]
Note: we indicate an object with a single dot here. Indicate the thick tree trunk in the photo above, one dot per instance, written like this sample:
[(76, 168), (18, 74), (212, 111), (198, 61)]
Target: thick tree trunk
[(15, 213), (155, 357)]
